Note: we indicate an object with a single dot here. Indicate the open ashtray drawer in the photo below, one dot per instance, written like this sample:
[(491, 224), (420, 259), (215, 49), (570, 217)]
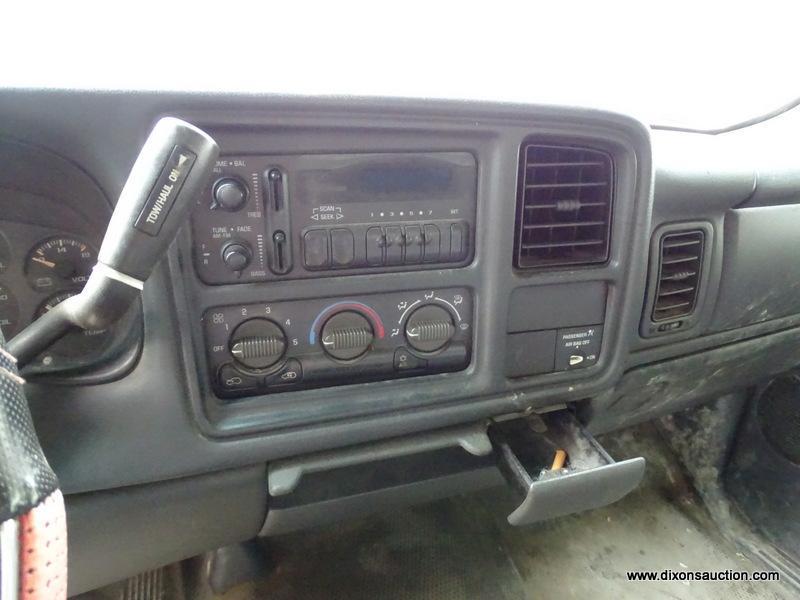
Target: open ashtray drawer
[(589, 478)]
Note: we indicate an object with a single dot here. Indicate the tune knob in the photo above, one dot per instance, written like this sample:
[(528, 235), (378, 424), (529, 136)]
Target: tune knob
[(258, 343), (429, 328), (236, 255), (229, 194), (346, 335)]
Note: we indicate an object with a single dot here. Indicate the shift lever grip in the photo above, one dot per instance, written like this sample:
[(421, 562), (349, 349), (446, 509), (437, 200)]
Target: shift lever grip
[(171, 169)]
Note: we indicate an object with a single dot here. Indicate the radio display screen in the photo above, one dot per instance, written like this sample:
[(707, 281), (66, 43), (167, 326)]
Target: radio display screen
[(430, 178), (402, 179)]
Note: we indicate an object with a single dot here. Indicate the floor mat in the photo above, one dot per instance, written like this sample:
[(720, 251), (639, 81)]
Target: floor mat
[(463, 548)]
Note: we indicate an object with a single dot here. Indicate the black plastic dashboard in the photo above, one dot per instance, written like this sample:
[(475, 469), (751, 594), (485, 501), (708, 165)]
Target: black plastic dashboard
[(159, 416), (675, 308)]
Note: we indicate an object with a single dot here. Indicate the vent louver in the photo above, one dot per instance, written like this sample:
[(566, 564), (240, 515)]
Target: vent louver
[(563, 206), (680, 262)]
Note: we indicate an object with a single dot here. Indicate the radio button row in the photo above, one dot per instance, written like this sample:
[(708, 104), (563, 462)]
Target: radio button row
[(390, 245)]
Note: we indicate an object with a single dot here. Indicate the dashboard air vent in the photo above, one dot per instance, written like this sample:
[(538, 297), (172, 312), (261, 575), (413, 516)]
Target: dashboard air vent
[(680, 262), (563, 206)]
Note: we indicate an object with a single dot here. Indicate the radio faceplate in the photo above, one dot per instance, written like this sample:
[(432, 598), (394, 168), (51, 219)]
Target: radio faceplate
[(282, 346), (263, 218)]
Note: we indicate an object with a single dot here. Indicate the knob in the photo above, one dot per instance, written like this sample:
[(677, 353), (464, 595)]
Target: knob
[(346, 335), (429, 328), (258, 343), (236, 255), (229, 194)]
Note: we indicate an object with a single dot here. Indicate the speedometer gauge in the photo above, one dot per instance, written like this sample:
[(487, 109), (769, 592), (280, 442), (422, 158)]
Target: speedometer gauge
[(59, 262)]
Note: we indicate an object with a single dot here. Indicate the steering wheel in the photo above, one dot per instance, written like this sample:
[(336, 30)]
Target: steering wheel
[(33, 528)]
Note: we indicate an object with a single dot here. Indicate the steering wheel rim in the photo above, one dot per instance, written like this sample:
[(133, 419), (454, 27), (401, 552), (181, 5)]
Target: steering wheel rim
[(33, 536)]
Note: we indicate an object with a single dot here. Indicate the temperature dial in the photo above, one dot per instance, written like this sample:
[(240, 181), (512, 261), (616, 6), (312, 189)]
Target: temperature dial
[(346, 335), (429, 328), (258, 343)]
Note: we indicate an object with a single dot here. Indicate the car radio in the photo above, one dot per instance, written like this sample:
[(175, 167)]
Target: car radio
[(263, 218)]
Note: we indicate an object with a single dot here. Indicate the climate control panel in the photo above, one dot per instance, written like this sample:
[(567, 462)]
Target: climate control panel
[(267, 347)]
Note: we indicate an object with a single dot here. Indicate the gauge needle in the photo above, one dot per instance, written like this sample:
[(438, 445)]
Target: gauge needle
[(44, 261)]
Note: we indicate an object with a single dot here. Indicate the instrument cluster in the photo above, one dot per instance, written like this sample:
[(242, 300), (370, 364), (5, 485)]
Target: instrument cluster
[(40, 268)]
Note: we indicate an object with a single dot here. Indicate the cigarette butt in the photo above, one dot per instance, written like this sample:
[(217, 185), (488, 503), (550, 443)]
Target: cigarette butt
[(558, 460)]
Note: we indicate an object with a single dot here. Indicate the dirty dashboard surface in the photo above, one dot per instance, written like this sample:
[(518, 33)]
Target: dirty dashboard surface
[(411, 265)]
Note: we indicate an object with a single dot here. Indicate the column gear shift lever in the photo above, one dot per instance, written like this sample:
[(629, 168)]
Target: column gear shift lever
[(172, 167)]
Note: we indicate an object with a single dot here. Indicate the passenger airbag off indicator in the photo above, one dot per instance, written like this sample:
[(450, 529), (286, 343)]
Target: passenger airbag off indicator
[(578, 347)]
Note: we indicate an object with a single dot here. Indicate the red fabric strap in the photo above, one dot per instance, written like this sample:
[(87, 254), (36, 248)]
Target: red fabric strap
[(43, 551)]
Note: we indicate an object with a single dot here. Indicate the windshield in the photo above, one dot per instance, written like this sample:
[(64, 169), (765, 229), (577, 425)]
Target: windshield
[(679, 64)]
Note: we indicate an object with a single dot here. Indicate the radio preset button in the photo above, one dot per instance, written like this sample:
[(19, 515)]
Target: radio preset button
[(394, 245), (315, 248), (432, 240), (375, 245), (457, 240), (413, 244), (342, 247)]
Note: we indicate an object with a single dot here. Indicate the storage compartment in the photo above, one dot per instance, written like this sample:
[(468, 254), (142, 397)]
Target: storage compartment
[(325, 487), (527, 451), (329, 486), (760, 270)]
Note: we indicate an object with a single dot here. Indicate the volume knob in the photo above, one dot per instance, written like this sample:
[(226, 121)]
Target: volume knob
[(346, 335), (258, 343), (429, 328), (229, 194)]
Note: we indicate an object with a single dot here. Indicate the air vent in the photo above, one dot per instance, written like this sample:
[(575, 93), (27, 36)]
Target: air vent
[(681, 259), (563, 206)]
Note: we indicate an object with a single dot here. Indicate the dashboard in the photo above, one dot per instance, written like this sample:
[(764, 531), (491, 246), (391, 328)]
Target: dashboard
[(362, 269)]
